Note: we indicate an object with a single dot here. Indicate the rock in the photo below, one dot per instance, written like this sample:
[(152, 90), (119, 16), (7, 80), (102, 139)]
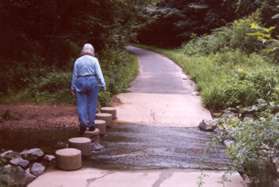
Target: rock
[(196, 93), (248, 119), (232, 109), (68, 159), (32, 154), (9, 155), (217, 114), (276, 117), (229, 114), (208, 125), (228, 142), (29, 175), (37, 169), (49, 159), (262, 102), (14, 176), (274, 108), (249, 110), (20, 162)]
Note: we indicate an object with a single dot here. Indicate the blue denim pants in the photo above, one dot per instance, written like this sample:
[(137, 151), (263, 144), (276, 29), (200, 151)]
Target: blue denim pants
[(87, 96)]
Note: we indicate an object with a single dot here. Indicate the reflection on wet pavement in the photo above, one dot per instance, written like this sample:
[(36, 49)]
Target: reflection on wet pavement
[(132, 146)]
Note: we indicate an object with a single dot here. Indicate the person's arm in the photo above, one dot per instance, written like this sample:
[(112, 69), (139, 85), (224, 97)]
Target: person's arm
[(74, 78), (99, 74)]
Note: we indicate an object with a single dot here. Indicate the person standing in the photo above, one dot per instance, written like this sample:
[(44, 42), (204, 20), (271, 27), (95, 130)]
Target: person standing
[(87, 78)]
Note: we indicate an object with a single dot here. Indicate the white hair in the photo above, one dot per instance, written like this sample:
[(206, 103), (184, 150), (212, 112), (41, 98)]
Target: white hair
[(88, 49)]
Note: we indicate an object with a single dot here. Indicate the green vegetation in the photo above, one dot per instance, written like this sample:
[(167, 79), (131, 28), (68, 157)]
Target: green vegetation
[(119, 68), (40, 40), (230, 66), (255, 152), (237, 72)]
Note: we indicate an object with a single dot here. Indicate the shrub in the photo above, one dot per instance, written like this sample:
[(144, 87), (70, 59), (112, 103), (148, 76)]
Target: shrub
[(239, 35), (53, 82), (120, 68), (52, 87), (256, 150)]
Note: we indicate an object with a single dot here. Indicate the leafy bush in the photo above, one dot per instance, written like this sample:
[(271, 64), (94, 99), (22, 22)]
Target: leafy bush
[(53, 82), (242, 34), (52, 87), (120, 68), (256, 150)]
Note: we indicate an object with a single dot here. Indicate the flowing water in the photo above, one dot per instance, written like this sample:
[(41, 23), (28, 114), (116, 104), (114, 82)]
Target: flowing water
[(134, 146)]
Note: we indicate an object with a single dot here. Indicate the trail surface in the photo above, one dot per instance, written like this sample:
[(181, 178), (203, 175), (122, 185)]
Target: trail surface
[(156, 141), (161, 95)]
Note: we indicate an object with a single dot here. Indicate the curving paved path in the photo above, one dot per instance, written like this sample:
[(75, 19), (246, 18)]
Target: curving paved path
[(161, 101), (161, 95)]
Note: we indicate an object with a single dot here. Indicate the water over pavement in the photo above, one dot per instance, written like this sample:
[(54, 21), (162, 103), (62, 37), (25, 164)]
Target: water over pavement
[(134, 147)]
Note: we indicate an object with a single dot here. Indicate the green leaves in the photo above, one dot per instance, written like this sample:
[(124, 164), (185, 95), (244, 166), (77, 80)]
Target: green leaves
[(256, 146)]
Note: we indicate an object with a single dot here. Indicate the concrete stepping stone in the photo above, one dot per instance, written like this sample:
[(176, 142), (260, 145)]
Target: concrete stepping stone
[(101, 125), (106, 117), (81, 143), (110, 110), (93, 135), (68, 159)]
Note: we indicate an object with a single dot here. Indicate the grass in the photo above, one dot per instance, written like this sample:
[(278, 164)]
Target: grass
[(228, 79), (231, 66)]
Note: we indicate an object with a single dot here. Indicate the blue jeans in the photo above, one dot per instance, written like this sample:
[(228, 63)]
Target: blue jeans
[(87, 95)]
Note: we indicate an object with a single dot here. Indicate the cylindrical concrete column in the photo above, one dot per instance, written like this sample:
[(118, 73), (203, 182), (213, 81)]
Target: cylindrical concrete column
[(106, 117), (101, 125), (110, 110), (68, 159), (81, 143), (93, 135)]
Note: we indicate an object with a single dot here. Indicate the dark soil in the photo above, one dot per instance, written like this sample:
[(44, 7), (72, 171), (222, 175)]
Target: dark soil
[(25, 126)]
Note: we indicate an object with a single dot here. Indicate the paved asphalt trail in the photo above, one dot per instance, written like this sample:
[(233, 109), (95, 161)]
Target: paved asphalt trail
[(161, 95), (156, 141)]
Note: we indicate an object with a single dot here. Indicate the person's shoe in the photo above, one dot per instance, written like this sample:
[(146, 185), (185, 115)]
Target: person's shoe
[(82, 130), (92, 128)]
